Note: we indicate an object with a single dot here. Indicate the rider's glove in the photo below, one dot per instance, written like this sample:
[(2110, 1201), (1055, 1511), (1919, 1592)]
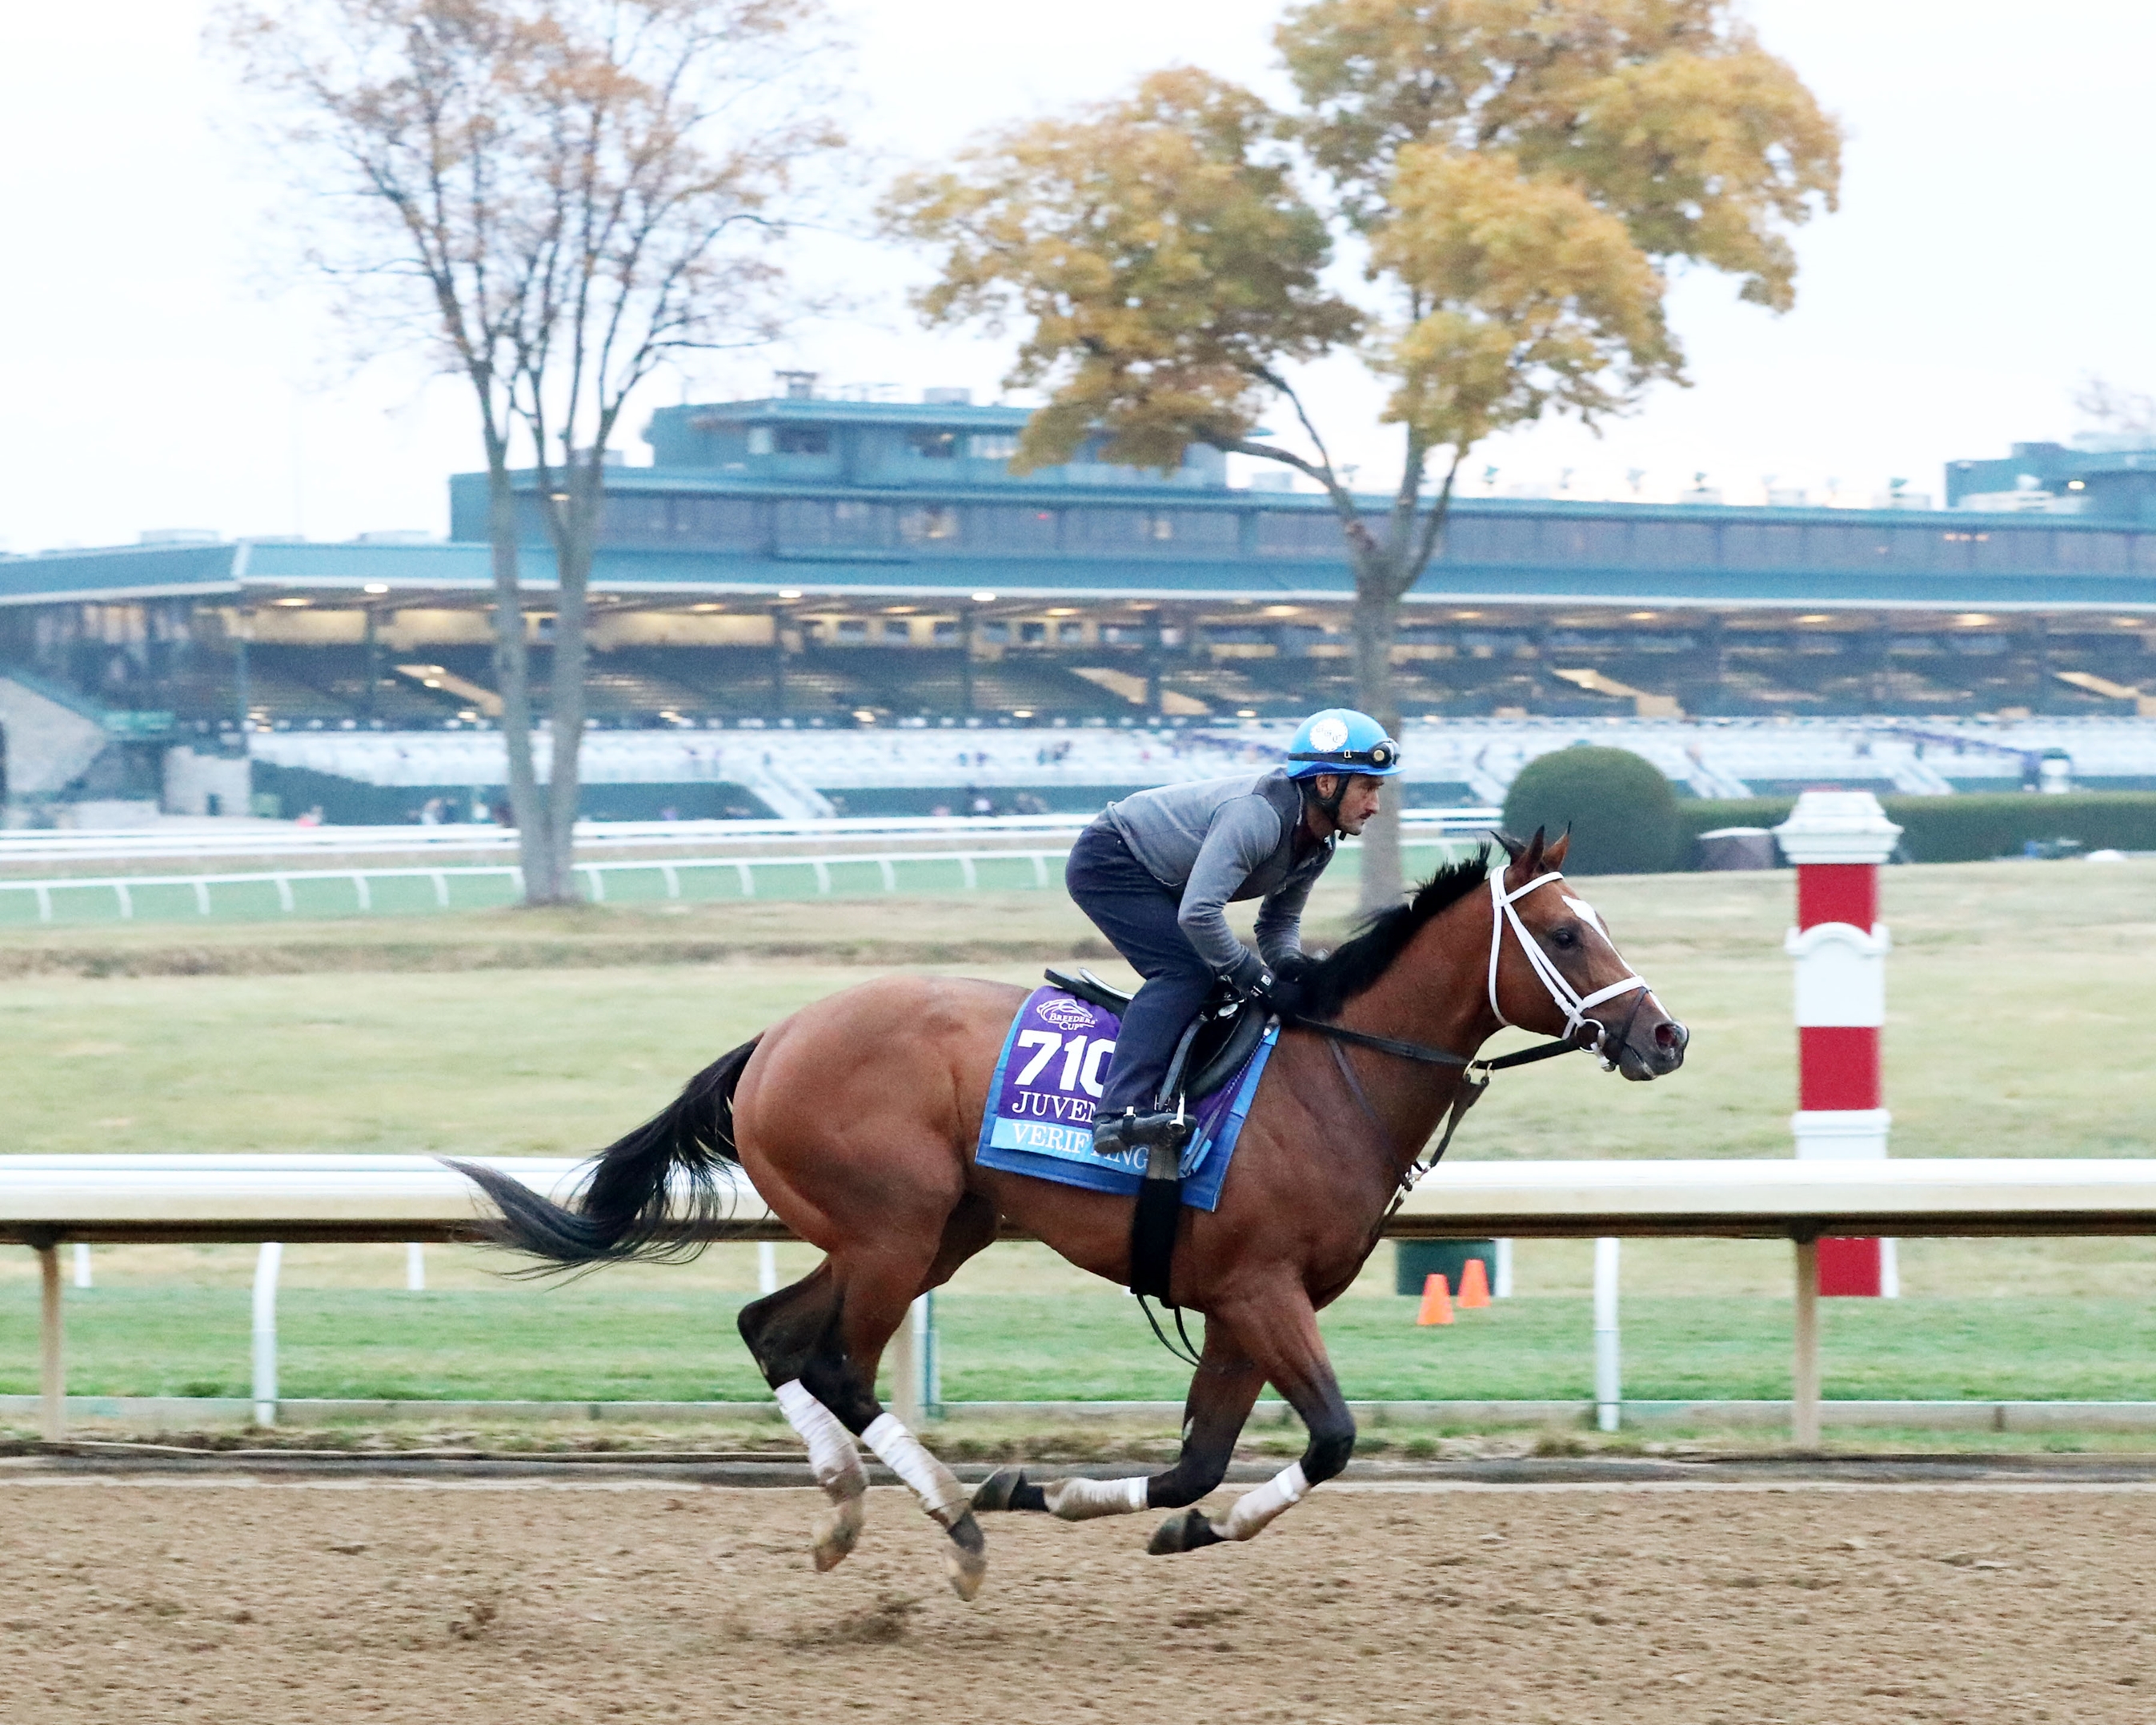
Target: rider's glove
[(1250, 972), (1272, 989)]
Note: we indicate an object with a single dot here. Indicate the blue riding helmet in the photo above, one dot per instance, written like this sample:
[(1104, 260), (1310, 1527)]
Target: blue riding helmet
[(1341, 740)]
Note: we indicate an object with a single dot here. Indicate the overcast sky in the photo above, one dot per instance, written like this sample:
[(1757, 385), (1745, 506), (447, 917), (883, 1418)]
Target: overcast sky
[(1992, 247)]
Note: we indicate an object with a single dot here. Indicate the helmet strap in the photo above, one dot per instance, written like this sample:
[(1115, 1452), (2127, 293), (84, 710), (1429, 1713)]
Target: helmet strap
[(1330, 806)]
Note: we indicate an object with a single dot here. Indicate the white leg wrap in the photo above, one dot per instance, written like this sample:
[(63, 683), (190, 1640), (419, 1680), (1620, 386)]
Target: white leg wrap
[(832, 1457), (1254, 1508), (1081, 1499), (938, 1488)]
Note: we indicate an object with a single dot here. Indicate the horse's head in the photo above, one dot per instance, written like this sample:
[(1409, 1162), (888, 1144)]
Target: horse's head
[(1554, 967)]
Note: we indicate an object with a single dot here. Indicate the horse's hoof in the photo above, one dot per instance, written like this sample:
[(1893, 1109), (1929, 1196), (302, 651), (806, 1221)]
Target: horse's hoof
[(1186, 1530), (838, 1532), (968, 1570), (994, 1492), (1008, 1488)]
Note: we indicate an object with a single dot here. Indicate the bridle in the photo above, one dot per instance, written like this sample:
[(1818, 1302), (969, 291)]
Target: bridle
[(1475, 1074), (1568, 999)]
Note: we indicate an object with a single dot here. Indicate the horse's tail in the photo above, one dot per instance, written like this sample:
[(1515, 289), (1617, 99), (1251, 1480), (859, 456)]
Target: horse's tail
[(630, 1206)]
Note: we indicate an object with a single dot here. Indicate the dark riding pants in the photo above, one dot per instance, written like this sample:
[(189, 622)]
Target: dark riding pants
[(1138, 914)]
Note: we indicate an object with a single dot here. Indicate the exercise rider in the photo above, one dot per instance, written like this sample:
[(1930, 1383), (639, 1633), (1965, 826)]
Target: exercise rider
[(1155, 872)]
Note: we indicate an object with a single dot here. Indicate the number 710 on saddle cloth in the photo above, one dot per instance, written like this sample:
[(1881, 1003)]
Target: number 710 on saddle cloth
[(1039, 1116)]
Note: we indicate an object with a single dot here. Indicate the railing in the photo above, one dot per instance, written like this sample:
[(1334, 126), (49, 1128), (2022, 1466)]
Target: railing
[(69, 846), (48, 1201), (184, 895)]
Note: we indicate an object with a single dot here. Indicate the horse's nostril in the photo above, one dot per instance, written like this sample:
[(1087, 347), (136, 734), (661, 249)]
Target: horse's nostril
[(1669, 1034)]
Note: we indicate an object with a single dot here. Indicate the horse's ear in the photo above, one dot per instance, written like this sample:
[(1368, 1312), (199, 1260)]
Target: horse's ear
[(1531, 864), (1553, 858), (1513, 847)]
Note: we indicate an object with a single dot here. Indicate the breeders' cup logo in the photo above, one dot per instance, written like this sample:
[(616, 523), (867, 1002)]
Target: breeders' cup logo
[(1327, 734), (1068, 1015)]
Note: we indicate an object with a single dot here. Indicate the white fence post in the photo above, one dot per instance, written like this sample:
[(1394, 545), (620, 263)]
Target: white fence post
[(1501, 1272), (767, 1267), (266, 1263), (1608, 1380), (415, 1267), (914, 1379), (52, 1346), (1804, 1368), (81, 1265)]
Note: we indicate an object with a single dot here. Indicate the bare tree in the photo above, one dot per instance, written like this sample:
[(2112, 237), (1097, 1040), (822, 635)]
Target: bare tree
[(2114, 407), (675, 130), (554, 197)]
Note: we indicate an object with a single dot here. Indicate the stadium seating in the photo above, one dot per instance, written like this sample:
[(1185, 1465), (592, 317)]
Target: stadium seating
[(803, 771)]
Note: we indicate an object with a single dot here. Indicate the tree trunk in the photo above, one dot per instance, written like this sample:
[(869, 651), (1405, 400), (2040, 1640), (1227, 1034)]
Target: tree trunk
[(512, 676), (1376, 623), (578, 519)]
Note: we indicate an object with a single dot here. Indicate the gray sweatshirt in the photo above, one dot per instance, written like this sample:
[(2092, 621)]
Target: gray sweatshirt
[(1224, 840)]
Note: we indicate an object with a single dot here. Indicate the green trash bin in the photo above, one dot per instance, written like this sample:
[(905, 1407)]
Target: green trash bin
[(1416, 1260)]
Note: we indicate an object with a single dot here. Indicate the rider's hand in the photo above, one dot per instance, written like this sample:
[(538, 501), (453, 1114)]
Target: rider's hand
[(1273, 988)]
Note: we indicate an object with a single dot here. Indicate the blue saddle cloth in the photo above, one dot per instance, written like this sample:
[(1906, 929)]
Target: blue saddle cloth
[(1039, 1116)]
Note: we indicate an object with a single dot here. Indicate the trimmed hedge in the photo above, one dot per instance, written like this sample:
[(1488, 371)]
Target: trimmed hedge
[(1621, 810), (1968, 829)]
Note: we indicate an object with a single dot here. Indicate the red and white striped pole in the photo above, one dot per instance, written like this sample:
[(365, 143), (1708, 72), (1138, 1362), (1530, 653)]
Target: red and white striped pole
[(1838, 840)]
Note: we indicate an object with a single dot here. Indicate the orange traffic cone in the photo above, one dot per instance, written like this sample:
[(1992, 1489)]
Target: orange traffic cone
[(1437, 1301), (1474, 1286)]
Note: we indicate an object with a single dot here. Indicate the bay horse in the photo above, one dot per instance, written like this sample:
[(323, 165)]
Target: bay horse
[(857, 1118)]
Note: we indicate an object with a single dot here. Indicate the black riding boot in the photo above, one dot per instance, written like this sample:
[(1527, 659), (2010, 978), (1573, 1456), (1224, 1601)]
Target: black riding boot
[(1132, 1131)]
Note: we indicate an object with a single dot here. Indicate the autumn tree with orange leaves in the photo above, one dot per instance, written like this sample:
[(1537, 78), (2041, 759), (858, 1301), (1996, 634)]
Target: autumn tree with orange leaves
[(1517, 178)]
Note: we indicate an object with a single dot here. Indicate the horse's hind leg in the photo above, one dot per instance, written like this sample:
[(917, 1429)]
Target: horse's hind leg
[(828, 1369), (785, 1333), (1222, 1393)]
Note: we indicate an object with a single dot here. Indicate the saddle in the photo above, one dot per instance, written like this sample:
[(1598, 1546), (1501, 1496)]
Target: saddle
[(1212, 1048), (1211, 1051)]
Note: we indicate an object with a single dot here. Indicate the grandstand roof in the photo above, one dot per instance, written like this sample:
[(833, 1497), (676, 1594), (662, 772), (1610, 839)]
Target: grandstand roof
[(1503, 552), (878, 501)]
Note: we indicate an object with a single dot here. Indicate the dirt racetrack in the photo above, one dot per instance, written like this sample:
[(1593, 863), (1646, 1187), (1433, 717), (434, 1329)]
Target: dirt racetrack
[(156, 1600)]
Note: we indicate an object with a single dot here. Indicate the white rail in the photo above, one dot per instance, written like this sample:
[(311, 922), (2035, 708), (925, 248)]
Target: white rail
[(75, 846), (669, 871), (47, 1200)]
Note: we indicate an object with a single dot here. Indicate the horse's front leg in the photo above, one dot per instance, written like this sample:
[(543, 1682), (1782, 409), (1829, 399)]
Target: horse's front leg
[(1222, 1391), (1281, 1329)]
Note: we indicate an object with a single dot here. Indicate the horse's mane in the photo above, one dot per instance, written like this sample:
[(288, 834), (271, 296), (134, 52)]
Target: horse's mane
[(1359, 963)]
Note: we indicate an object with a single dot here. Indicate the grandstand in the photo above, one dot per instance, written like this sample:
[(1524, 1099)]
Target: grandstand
[(803, 772), (873, 573)]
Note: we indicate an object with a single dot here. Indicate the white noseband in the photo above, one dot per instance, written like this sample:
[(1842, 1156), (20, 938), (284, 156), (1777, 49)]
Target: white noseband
[(1573, 1005)]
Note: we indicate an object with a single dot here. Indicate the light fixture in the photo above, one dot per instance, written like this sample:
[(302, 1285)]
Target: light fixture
[(1062, 610), (900, 610), (984, 598), (863, 716), (790, 593), (1283, 610), (2075, 486), (1467, 616), (288, 602), (1972, 620), (557, 497), (2127, 622), (707, 608), (1815, 617), (1246, 712), (1021, 712), (1641, 616), (376, 587)]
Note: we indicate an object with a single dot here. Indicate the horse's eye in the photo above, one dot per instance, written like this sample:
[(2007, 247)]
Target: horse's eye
[(1564, 934)]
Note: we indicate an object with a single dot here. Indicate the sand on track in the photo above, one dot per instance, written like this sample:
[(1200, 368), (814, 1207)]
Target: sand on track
[(156, 1601)]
